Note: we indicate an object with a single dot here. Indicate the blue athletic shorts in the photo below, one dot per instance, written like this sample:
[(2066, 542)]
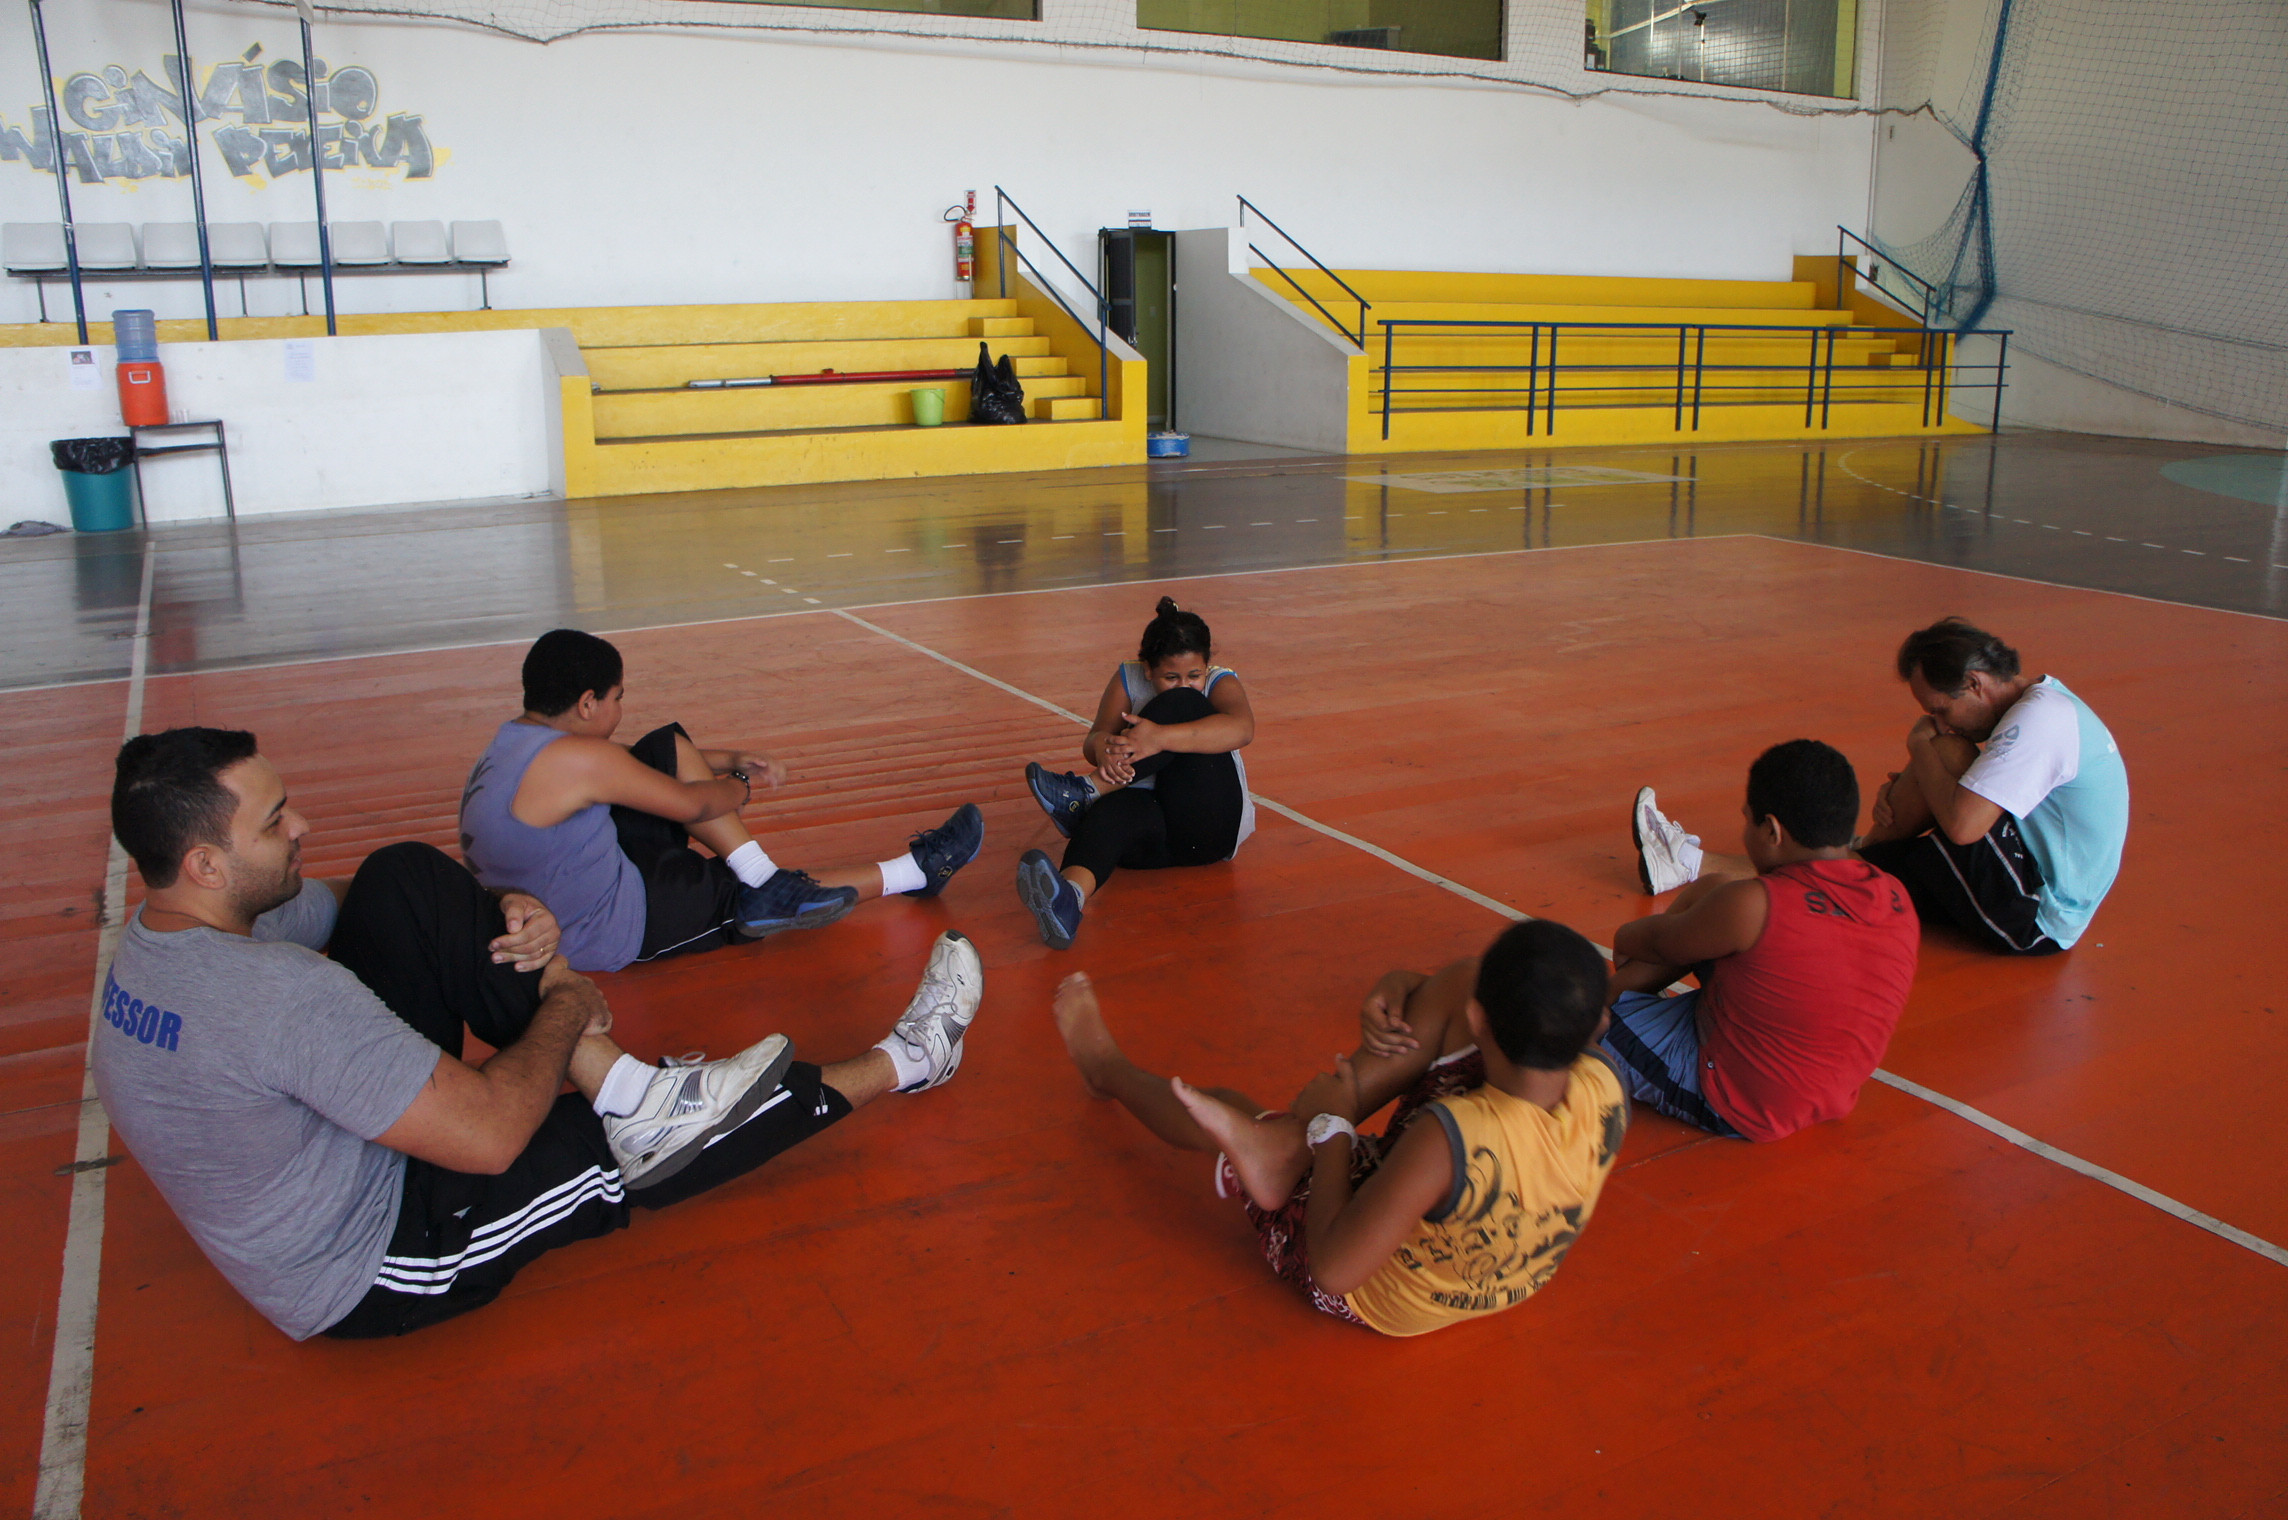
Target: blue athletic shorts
[(1657, 1044)]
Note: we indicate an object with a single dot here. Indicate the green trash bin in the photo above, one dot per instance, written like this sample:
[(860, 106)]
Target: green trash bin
[(97, 481)]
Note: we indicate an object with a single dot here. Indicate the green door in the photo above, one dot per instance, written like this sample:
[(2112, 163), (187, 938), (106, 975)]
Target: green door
[(1156, 321), (1139, 270)]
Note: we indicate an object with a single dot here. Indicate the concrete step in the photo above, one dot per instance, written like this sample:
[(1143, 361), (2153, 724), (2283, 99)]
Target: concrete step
[(1066, 408), (1401, 285), (721, 461), (1426, 431), (664, 413), (1625, 316), (787, 322), (665, 366), (1633, 353), (1660, 396), (1001, 327), (1585, 322), (947, 429)]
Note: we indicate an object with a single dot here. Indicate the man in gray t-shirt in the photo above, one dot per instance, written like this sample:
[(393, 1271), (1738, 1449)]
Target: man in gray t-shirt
[(250, 1075), (308, 1116)]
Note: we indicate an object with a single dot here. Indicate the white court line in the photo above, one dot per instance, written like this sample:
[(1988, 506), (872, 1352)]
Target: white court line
[(2005, 575), (1987, 1122), (71, 1368), (2090, 1169), (968, 670), (1844, 464)]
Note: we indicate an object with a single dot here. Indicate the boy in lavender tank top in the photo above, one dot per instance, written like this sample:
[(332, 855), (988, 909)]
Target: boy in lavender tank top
[(601, 831)]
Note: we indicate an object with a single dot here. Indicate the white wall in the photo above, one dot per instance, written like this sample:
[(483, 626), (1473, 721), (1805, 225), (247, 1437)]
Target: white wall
[(2041, 394), (759, 166), (1250, 365), (384, 421)]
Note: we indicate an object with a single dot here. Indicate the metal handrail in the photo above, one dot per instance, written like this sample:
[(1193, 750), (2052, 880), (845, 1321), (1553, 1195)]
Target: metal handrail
[(1314, 300), (1934, 357), (1245, 206), (1928, 290), (1003, 203)]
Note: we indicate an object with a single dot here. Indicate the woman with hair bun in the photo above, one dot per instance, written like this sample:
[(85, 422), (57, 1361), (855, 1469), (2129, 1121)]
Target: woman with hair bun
[(1167, 786)]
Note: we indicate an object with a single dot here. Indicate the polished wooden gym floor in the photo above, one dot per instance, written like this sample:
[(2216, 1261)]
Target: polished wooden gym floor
[(2038, 1272)]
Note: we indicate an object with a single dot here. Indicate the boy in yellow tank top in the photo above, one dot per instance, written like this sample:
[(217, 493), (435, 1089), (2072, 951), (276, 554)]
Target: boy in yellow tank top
[(1507, 1124)]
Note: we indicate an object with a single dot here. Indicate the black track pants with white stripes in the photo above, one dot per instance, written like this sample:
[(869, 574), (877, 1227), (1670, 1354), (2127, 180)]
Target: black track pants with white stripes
[(1990, 889), (415, 929)]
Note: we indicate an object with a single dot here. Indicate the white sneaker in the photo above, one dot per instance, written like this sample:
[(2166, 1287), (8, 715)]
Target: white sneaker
[(689, 1102), (930, 1031), (1667, 857)]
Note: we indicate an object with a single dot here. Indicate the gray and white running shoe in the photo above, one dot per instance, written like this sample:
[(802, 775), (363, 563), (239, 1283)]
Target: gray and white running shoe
[(689, 1102), (953, 984), (1662, 847)]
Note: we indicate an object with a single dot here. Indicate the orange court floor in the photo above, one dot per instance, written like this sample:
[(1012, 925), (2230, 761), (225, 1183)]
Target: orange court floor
[(2038, 1272)]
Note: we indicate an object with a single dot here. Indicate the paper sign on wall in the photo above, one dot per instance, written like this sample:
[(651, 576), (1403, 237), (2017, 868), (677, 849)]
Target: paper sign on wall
[(301, 358), (83, 375)]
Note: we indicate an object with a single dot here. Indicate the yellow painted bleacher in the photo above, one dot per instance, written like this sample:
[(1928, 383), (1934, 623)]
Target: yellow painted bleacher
[(635, 425), (1760, 349)]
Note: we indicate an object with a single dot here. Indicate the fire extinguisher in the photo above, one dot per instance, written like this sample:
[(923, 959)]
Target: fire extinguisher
[(964, 219)]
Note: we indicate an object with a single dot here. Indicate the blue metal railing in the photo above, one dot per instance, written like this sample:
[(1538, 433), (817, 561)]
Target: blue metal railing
[(1003, 203), (1245, 206), (1687, 386), (1924, 290)]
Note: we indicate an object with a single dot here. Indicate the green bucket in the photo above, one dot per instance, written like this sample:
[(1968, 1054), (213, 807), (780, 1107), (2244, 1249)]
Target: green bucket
[(929, 407), (100, 503)]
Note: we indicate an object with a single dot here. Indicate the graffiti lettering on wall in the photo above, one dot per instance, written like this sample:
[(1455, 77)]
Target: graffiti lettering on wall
[(135, 124)]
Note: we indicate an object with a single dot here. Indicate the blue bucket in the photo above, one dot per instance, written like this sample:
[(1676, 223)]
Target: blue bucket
[(1167, 445)]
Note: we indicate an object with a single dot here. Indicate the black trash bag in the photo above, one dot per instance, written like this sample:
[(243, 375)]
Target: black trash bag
[(93, 456), (995, 393)]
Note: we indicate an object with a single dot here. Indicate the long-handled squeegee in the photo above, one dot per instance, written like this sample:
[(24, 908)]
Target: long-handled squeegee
[(831, 377)]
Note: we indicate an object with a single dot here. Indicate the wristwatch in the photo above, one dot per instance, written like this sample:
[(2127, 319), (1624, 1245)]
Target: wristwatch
[(1325, 1127), (741, 778)]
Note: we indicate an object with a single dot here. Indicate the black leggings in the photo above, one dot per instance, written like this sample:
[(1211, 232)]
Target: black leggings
[(416, 929), (690, 899), (1189, 816)]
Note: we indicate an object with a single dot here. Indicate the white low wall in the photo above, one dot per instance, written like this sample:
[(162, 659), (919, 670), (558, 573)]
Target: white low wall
[(381, 421), (1250, 365)]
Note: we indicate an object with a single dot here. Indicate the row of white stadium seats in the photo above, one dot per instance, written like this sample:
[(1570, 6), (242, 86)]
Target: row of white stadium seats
[(38, 247)]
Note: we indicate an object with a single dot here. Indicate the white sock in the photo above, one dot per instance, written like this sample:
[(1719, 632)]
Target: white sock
[(750, 864), (624, 1087), (1688, 857), (902, 875), (909, 1067)]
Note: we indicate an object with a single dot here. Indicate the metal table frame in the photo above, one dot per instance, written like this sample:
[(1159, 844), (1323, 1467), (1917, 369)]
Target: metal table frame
[(219, 444)]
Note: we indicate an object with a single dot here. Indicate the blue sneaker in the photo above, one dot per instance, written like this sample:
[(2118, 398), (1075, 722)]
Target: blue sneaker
[(791, 899), (947, 848), (1054, 901), (1061, 794)]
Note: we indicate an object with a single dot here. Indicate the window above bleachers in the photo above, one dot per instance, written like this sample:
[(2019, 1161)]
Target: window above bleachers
[(1002, 10), (1802, 47), (1449, 28)]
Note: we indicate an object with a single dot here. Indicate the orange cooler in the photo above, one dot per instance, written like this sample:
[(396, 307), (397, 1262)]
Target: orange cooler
[(142, 393)]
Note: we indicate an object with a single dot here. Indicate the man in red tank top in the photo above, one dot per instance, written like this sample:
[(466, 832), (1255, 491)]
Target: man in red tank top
[(1804, 966)]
